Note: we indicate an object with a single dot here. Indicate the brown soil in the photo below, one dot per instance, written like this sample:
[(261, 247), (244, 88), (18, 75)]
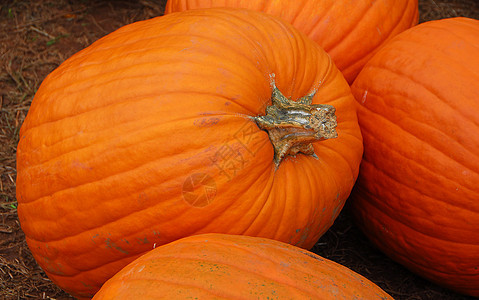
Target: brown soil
[(36, 36)]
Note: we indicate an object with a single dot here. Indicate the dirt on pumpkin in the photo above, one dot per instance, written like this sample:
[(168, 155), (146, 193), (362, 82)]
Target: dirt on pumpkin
[(36, 36)]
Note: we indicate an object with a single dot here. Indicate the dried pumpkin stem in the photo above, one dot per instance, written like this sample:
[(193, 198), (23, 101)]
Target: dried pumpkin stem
[(293, 125)]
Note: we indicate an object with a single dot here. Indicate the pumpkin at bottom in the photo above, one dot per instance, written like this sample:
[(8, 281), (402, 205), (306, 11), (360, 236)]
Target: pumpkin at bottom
[(222, 266)]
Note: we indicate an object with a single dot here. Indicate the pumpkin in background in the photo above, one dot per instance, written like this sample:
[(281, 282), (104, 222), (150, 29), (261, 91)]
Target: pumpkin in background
[(223, 266), (417, 196), (350, 31), (153, 133)]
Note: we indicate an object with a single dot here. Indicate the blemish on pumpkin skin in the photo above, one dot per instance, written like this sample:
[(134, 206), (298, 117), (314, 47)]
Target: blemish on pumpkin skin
[(80, 165), (365, 95), (52, 267), (379, 31), (303, 237), (142, 198), (335, 213), (86, 284), (206, 122), (94, 237), (112, 245), (143, 240)]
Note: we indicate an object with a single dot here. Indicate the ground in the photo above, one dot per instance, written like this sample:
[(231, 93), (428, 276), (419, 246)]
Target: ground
[(36, 36)]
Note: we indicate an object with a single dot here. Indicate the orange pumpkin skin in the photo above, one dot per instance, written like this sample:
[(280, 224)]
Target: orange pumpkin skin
[(350, 31), (418, 189), (219, 266), (146, 137)]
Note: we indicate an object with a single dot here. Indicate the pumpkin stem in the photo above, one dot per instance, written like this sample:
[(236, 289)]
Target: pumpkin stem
[(293, 125)]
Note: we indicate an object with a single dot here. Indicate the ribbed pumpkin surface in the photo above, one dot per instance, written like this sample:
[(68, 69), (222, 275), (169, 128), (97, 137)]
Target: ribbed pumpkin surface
[(218, 266), (417, 196), (146, 137), (350, 31)]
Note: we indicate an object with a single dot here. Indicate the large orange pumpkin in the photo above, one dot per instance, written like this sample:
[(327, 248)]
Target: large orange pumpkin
[(350, 31), (153, 133), (219, 266), (417, 196)]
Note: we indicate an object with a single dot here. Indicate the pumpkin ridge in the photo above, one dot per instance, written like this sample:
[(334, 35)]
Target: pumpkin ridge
[(421, 85), (259, 211), (294, 47), (424, 236), (406, 187), (287, 206), (246, 250), (182, 284), (153, 49), (266, 196), (421, 166), (463, 163), (130, 31), (225, 115), (309, 265), (327, 77), (376, 47), (212, 291), (225, 262), (445, 58), (78, 271), (332, 150), (110, 176), (465, 22), (457, 36), (137, 191), (227, 17), (111, 59), (440, 99), (99, 109), (348, 34), (133, 132), (401, 18), (314, 213), (353, 26), (433, 146), (315, 30), (293, 20), (126, 99), (265, 4)]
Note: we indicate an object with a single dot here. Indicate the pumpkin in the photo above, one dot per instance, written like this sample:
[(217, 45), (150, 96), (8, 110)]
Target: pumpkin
[(418, 189), (164, 129), (219, 266), (350, 31)]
